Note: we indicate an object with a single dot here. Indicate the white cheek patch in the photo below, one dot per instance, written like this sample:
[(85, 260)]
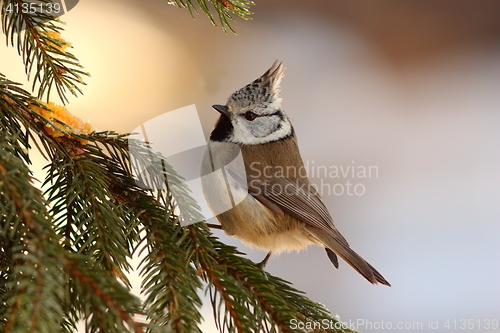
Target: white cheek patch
[(244, 134), (263, 126)]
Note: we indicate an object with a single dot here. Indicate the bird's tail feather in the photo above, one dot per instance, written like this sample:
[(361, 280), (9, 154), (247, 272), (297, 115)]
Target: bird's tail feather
[(351, 257)]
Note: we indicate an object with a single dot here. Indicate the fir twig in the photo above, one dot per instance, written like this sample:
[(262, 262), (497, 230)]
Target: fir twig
[(32, 296), (224, 9), (35, 267), (37, 38), (107, 305)]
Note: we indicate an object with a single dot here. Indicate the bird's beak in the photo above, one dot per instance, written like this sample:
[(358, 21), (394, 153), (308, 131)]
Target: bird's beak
[(222, 109)]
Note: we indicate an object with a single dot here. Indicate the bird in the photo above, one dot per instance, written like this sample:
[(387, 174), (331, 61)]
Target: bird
[(272, 204)]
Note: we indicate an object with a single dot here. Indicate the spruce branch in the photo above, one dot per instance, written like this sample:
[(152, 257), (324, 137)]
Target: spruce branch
[(107, 306), (224, 9), (36, 271), (37, 38), (34, 287), (17, 119), (88, 218), (170, 281), (273, 302)]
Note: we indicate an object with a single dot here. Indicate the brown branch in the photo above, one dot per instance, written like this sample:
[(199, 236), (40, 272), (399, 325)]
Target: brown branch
[(33, 228), (210, 273), (103, 295)]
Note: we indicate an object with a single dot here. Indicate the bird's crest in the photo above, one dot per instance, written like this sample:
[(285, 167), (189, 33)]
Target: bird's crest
[(261, 92)]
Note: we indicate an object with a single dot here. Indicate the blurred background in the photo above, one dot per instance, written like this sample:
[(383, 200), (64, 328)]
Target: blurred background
[(410, 87)]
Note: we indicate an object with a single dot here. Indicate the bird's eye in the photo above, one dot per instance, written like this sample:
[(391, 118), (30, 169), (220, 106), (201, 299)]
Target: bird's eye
[(249, 115)]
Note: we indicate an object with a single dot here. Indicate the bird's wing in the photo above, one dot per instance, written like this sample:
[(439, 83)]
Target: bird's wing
[(299, 199), (283, 195)]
